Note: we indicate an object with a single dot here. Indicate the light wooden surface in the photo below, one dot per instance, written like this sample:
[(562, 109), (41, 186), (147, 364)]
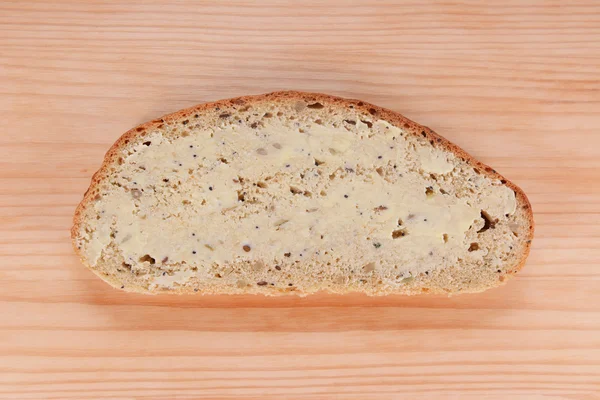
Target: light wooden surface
[(517, 84)]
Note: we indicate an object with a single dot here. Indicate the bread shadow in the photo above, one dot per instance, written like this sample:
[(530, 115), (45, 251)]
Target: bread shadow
[(321, 312)]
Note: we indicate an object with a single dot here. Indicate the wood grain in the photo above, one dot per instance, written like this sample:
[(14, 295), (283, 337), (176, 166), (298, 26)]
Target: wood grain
[(515, 83)]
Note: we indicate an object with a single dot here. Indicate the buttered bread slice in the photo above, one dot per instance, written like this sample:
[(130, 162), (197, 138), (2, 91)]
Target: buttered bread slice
[(295, 192)]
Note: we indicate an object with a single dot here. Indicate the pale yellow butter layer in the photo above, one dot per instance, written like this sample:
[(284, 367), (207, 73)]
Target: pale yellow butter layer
[(197, 223)]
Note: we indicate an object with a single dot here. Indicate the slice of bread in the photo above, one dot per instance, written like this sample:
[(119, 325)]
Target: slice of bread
[(294, 192)]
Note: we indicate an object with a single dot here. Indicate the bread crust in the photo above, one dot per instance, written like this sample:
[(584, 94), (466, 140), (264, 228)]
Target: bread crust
[(392, 117)]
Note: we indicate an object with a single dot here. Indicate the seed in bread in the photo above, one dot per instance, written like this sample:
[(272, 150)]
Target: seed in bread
[(295, 192)]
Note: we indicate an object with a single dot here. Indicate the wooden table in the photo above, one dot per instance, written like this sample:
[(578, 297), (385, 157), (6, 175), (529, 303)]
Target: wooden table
[(517, 84)]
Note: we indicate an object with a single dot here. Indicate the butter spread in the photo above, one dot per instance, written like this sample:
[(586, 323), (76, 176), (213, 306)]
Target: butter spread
[(182, 200), (434, 160)]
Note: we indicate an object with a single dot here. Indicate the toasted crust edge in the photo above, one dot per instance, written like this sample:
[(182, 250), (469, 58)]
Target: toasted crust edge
[(390, 116)]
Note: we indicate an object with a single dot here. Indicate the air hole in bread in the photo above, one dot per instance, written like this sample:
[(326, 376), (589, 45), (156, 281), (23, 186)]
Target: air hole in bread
[(474, 247), (488, 222), (147, 258), (398, 233)]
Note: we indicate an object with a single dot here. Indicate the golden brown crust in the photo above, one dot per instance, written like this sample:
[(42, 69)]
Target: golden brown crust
[(390, 116)]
